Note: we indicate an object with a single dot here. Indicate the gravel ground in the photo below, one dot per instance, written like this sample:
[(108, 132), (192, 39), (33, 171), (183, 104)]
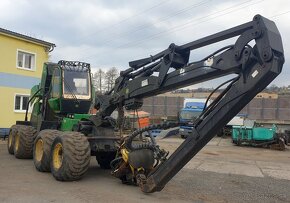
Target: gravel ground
[(20, 182), (199, 186)]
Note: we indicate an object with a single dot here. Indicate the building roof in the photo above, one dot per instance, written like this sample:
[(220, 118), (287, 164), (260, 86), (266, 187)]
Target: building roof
[(27, 38)]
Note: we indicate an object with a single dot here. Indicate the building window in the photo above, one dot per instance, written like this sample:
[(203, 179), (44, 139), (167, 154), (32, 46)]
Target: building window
[(21, 102), (25, 60)]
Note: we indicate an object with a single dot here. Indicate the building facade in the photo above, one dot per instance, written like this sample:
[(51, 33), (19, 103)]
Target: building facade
[(22, 58)]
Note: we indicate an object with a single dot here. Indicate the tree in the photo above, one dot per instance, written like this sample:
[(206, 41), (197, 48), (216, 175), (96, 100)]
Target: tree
[(273, 88), (98, 80), (110, 77)]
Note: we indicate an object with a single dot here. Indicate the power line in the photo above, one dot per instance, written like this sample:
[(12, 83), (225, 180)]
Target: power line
[(139, 28), (280, 14), (190, 23), (122, 21), (197, 20), (184, 26), (276, 16)]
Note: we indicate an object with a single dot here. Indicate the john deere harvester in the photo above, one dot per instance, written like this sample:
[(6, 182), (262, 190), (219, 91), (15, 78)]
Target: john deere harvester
[(66, 132), (59, 136)]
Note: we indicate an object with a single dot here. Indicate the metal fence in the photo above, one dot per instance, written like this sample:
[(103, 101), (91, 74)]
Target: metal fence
[(163, 106), (269, 109), (258, 109)]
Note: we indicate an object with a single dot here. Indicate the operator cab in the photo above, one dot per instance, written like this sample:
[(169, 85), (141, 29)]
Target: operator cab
[(76, 82), (71, 89)]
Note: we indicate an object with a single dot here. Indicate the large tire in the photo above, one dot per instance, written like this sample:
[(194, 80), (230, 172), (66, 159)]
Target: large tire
[(23, 142), (42, 149), (70, 156), (11, 136), (104, 159)]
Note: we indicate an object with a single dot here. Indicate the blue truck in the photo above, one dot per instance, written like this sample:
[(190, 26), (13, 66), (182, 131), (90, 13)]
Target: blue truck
[(192, 108)]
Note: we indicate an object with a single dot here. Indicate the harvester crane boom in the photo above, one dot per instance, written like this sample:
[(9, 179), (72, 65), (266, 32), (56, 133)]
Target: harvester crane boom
[(255, 68)]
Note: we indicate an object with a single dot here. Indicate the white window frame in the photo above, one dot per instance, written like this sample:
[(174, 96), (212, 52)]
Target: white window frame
[(33, 68), (21, 102)]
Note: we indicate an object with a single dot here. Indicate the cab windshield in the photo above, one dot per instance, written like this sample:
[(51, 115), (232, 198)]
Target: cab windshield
[(189, 115), (76, 84)]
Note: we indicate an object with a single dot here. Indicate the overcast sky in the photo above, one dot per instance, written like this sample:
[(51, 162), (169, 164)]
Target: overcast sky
[(109, 33)]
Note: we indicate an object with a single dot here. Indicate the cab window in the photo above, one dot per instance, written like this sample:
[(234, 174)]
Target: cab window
[(56, 84)]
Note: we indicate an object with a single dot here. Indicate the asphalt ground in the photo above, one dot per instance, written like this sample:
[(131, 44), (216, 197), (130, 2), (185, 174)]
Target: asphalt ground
[(221, 172)]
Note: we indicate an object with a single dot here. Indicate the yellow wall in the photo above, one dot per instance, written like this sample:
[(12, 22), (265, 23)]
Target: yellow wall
[(8, 50), (8, 64), (7, 115)]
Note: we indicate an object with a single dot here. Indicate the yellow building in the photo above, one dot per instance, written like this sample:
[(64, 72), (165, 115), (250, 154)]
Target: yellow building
[(22, 58), (267, 95)]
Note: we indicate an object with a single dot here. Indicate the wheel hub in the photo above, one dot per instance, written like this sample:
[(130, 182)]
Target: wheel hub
[(57, 156), (10, 139), (17, 140), (39, 150)]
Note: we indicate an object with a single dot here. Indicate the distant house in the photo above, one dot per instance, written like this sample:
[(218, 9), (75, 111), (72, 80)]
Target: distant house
[(267, 95), (22, 58)]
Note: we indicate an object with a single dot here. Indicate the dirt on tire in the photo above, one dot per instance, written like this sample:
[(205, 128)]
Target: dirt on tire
[(76, 153), (25, 136), (47, 136)]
